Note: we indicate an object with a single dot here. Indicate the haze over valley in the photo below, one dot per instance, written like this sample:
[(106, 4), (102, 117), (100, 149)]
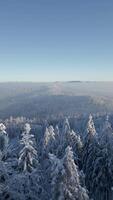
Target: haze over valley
[(32, 99)]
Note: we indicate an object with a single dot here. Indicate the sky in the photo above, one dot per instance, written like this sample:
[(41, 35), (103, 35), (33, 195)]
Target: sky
[(56, 40)]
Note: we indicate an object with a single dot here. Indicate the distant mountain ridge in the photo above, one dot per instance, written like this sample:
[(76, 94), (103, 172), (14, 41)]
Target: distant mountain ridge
[(53, 98)]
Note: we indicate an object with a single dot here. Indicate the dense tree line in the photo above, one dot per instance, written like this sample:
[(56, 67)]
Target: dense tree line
[(59, 159)]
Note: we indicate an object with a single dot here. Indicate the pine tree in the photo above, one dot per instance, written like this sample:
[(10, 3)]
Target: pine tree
[(66, 126), (3, 140), (73, 189), (57, 171), (28, 154), (48, 140), (102, 172), (3, 181), (5, 192), (90, 162), (101, 177), (65, 131), (66, 179), (107, 133), (88, 141), (57, 131), (28, 184), (91, 127), (75, 142), (64, 138)]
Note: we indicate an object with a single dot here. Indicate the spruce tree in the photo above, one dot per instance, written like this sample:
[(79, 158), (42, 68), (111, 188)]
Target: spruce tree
[(65, 178), (48, 141), (28, 154), (3, 141), (88, 141)]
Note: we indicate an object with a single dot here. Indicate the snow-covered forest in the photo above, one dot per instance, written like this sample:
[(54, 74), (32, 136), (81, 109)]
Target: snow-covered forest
[(66, 158), (56, 100)]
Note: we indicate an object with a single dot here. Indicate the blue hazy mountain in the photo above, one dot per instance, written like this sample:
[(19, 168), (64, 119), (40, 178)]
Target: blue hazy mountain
[(31, 99)]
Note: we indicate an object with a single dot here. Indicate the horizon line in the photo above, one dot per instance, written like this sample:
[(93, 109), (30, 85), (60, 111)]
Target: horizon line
[(66, 81)]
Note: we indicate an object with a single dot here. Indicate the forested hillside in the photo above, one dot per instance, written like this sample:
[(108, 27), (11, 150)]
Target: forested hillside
[(58, 98), (66, 158)]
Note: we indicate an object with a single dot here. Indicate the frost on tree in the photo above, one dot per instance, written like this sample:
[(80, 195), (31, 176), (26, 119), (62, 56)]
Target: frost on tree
[(28, 154), (91, 127), (72, 189), (26, 186), (107, 133), (64, 138), (4, 182), (88, 141), (75, 142), (69, 138), (57, 136), (48, 140), (65, 178), (57, 131), (93, 151), (57, 171), (107, 125), (3, 140), (99, 164), (27, 128), (102, 173), (66, 129)]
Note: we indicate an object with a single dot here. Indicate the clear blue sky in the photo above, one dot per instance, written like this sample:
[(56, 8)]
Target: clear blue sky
[(50, 40)]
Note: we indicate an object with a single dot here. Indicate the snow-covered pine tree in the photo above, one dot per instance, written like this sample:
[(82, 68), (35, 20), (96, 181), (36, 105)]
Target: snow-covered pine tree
[(3, 181), (73, 189), (28, 154), (51, 132), (57, 171), (91, 127), (88, 141), (66, 126), (65, 131), (90, 162), (66, 179), (102, 173), (57, 136), (75, 142), (27, 185), (101, 181), (48, 141), (107, 133), (3, 140), (57, 131), (69, 138), (107, 125), (64, 138)]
